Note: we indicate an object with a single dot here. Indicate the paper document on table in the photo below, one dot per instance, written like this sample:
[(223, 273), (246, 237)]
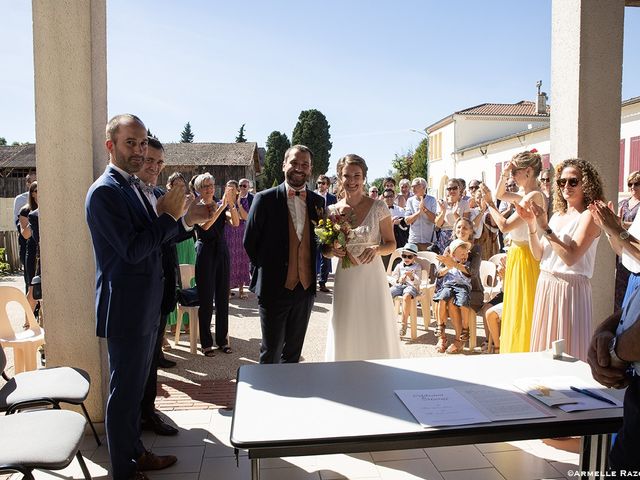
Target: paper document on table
[(561, 387), (500, 402), (439, 407), (548, 390)]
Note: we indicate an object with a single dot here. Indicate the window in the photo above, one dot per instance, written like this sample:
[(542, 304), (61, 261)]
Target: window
[(621, 173), (435, 146)]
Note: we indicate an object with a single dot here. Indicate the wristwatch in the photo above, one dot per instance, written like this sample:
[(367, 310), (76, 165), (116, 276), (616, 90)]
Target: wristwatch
[(616, 361), (624, 234), (548, 232)]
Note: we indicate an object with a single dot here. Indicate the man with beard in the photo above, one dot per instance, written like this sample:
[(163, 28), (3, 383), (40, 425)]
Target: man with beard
[(281, 245), (127, 235)]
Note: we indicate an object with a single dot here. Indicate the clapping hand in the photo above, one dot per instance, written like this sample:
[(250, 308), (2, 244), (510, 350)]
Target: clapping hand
[(172, 202), (525, 212), (605, 217), (447, 260)]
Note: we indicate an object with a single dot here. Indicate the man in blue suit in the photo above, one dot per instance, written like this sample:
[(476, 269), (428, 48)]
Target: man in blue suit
[(324, 263), (127, 236), (281, 245)]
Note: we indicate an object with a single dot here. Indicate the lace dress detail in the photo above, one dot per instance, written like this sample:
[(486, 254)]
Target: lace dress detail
[(363, 324)]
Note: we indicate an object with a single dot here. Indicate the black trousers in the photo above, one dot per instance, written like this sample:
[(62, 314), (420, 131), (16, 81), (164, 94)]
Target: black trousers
[(212, 279), (147, 405), (284, 322), (625, 453)]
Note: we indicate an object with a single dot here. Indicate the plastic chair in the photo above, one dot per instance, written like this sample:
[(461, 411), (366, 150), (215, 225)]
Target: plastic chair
[(46, 439), (47, 386), (25, 343), (187, 274), (424, 298), (497, 258), (489, 279), (428, 287)]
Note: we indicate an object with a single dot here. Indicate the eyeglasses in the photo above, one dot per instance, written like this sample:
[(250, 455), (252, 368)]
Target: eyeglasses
[(407, 256), (244, 185), (473, 188), (573, 182), (630, 185), (452, 189), (373, 191), (320, 183), (545, 179), (387, 196), (208, 185)]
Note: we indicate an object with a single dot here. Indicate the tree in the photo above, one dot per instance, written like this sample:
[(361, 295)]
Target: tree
[(277, 144), (187, 135), (312, 130), (3, 141), (241, 138), (403, 165), (420, 167)]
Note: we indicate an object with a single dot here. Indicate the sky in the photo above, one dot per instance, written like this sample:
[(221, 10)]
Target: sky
[(376, 69)]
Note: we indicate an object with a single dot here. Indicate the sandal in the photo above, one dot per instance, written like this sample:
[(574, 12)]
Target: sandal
[(403, 330), (209, 352), (464, 336), (454, 348), (441, 346), (226, 349)]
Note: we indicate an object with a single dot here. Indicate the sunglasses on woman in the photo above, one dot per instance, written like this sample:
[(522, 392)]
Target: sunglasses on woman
[(407, 256), (452, 189), (573, 182), (473, 188), (634, 185)]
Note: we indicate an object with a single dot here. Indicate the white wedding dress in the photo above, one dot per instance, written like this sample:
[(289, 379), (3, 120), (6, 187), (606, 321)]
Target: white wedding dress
[(363, 323)]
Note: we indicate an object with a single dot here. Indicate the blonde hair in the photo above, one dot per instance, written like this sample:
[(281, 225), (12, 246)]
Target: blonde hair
[(633, 177), (350, 159), (591, 184), (528, 158)]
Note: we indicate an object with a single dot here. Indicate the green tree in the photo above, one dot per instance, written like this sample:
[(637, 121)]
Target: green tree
[(420, 167), (3, 141), (241, 138), (312, 130), (277, 144), (187, 135), (403, 165)]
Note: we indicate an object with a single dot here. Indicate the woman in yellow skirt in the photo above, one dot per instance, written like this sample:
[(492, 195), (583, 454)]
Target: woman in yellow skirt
[(522, 270)]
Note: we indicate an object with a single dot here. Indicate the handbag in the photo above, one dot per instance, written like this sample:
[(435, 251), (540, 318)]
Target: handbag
[(188, 297)]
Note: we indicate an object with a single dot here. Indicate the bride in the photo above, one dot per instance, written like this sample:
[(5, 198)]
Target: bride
[(363, 322)]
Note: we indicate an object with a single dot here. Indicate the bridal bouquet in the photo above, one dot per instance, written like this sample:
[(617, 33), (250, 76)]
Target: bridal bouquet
[(336, 230)]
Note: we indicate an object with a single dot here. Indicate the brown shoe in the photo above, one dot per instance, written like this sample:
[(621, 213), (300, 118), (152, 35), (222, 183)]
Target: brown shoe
[(323, 288), (150, 461)]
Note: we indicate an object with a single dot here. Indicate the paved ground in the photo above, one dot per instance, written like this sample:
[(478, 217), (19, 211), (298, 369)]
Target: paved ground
[(200, 382)]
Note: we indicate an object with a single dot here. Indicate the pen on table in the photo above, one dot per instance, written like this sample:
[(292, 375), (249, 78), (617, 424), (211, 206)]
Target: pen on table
[(591, 394)]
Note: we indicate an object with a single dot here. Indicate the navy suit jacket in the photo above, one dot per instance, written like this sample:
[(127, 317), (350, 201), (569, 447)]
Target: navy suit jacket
[(127, 246), (331, 199), (266, 239)]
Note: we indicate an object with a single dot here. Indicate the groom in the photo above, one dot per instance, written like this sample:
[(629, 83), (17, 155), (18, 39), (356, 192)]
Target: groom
[(280, 242)]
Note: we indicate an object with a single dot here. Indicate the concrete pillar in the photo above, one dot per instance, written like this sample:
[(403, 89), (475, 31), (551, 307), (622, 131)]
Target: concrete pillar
[(586, 78), (70, 60)]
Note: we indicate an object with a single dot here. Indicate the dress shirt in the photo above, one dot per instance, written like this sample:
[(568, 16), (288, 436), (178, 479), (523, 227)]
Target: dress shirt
[(298, 210), (630, 315), (19, 202), (396, 211), (153, 202), (421, 231), (323, 195)]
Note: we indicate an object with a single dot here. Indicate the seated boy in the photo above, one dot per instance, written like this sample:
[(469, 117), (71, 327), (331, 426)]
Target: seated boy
[(452, 293), (407, 276)]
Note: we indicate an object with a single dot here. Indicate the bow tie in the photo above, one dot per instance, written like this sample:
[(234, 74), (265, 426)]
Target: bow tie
[(134, 181), (147, 189), (297, 193), (391, 207)]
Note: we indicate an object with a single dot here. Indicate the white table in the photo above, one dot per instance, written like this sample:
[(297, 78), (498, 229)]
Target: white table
[(346, 407)]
